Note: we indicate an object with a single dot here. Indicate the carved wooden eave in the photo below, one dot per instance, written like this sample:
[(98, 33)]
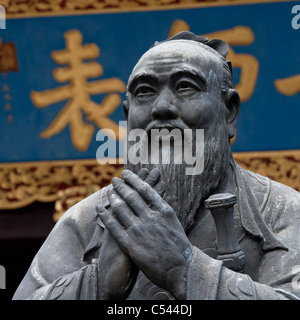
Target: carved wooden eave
[(32, 8), (47, 181), (67, 182)]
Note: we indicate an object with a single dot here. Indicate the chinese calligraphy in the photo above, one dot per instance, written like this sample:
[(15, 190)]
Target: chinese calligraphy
[(237, 36), (81, 113), (7, 100), (78, 93), (8, 63), (288, 86), (242, 36)]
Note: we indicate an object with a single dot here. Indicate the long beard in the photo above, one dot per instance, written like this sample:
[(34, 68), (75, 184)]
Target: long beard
[(185, 193)]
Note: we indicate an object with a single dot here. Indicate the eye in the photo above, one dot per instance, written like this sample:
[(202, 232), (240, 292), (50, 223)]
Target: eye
[(143, 91), (186, 86)]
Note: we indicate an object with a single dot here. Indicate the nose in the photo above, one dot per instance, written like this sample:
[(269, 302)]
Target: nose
[(164, 108)]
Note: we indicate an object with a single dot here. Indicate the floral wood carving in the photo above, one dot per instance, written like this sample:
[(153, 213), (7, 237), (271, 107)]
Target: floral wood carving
[(67, 182)]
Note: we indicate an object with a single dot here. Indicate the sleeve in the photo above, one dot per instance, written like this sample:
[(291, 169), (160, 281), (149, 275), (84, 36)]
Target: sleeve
[(79, 285), (208, 279), (65, 266)]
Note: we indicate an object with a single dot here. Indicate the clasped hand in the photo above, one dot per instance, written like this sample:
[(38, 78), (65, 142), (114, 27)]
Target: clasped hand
[(148, 231)]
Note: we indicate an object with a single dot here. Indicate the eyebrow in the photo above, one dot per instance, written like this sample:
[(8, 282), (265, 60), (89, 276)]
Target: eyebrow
[(190, 72), (153, 77), (145, 76)]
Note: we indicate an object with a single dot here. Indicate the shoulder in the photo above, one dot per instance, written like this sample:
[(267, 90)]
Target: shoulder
[(270, 192), (85, 210), (283, 206), (278, 203), (81, 219)]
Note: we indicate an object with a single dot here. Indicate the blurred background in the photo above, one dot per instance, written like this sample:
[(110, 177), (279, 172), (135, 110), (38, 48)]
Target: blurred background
[(64, 66)]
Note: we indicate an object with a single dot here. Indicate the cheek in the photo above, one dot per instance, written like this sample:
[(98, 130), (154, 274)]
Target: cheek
[(201, 112), (138, 117)]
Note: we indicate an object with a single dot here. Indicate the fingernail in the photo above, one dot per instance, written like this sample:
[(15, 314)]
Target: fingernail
[(99, 208), (155, 171), (115, 181), (125, 173), (143, 173)]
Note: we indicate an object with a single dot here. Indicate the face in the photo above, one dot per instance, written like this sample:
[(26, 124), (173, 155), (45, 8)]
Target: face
[(177, 81), (177, 84)]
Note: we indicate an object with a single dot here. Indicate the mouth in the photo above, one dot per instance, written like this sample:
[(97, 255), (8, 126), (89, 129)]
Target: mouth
[(169, 125), (166, 131)]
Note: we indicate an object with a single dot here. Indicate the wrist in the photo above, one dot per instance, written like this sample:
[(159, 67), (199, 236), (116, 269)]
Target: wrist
[(203, 276), (178, 277)]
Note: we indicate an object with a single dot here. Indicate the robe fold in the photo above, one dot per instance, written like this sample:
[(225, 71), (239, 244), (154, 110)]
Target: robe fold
[(267, 222)]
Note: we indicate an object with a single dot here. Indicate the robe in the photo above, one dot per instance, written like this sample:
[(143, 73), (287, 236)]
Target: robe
[(267, 223)]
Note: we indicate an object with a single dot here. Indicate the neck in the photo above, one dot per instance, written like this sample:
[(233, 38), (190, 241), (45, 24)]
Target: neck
[(227, 184)]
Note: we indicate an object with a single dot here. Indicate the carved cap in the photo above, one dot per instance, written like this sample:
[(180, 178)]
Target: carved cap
[(218, 45)]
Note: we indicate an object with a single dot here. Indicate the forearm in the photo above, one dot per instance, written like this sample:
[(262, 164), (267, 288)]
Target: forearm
[(79, 285), (236, 286), (208, 280)]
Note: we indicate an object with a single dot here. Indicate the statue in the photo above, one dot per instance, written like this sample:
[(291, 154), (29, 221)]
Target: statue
[(159, 233)]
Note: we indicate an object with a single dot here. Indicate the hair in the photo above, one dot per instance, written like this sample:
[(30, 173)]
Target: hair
[(218, 47)]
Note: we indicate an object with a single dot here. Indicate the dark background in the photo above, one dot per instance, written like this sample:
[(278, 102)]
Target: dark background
[(22, 232)]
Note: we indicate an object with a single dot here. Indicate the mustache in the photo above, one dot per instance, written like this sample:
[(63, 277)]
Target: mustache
[(166, 124)]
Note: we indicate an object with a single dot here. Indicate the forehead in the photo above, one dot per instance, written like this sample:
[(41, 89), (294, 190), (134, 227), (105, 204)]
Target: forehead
[(178, 54)]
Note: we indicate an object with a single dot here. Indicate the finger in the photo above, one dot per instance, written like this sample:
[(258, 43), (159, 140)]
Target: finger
[(143, 173), (153, 177), (147, 192), (130, 196), (121, 209), (113, 226), (160, 188), (99, 208)]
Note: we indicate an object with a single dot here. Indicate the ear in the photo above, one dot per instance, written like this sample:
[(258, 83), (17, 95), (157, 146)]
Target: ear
[(232, 103), (125, 109)]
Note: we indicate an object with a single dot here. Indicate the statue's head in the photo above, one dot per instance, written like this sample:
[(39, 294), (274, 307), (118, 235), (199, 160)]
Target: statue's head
[(185, 78), (185, 82)]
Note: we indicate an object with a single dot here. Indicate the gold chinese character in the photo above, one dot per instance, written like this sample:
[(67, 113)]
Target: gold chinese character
[(237, 36), (288, 86), (78, 93)]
